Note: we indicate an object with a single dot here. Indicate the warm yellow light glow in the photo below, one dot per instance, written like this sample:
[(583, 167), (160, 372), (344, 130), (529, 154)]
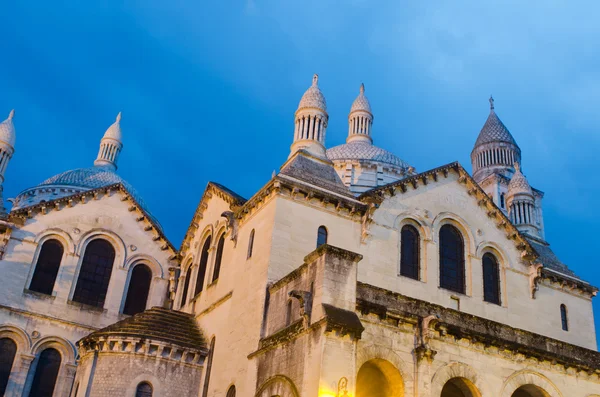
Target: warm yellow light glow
[(326, 392)]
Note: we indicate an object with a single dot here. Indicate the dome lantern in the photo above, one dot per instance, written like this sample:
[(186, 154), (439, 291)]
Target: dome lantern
[(360, 119), (522, 210), (311, 122), (495, 150), (110, 146), (7, 143)]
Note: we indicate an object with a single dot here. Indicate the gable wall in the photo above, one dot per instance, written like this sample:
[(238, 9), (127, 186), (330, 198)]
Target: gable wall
[(430, 206)]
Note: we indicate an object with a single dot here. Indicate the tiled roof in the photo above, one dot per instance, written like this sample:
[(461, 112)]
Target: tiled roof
[(313, 97), (361, 102), (157, 324), (360, 150), (315, 172), (494, 131), (548, 257)]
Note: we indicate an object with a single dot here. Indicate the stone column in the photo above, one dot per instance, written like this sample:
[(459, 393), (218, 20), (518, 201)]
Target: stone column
[(18, 376), (68, 378)]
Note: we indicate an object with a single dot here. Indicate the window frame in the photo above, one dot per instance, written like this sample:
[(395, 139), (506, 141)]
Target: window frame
[(322, 234), (37, 267), (461, 264), (564, 317), (497, 284), (403, 268)]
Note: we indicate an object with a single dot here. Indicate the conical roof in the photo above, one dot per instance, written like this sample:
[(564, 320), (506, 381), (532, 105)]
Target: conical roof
[(159, 324), (361, 102), (7, 130), (518, 183), (494, 130), (114, 131), (313, 97)]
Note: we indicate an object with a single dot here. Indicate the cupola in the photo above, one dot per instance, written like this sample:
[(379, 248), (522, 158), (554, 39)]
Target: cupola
[(110, 146), (7, 143), (520, 201), (495, 150), (311, 122), (360, 119)]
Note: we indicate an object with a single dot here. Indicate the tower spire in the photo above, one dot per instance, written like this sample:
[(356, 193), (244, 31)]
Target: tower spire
[(360, 119), (311, 121), (110, 146)]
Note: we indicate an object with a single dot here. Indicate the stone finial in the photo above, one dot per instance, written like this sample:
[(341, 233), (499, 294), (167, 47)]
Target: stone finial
[(118, 117), (315, 80), (491, 102), (362, 88), (11, 114), (517, 166)]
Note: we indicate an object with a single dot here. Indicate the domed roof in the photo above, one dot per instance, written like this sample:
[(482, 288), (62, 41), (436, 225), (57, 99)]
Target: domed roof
[(519, 184), (362, 150), (7, 130), (78, 180), (361, 102), (313, 97), (494, 130), (114, 131)]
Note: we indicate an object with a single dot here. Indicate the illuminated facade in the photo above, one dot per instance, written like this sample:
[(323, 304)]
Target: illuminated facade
[(347, 274)]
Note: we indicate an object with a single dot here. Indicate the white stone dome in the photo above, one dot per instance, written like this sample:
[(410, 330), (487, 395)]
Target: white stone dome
[(72, 182), (361, 103), (519, 184), (7, 130), (365, 151), (114, 131), (313, 97)]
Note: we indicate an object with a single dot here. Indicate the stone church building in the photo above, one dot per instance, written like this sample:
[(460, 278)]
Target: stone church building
[(348, 274)]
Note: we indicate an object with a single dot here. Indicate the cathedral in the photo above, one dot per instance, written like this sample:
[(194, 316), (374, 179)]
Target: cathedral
[(348, 274)]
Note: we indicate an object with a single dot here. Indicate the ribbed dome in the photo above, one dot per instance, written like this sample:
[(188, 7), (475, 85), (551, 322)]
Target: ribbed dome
[(361, 150), (361, 103), (76, 181), (494, 130), (114, 131), (313, 97), (519, 184), (7, 130)]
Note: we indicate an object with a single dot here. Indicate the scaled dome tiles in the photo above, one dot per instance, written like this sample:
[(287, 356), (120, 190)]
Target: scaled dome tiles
[(364, 151), (361, 103), (494, 131), (313, 97), (519, 184)]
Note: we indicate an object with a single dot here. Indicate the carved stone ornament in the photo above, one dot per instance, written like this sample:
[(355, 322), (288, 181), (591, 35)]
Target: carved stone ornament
[(423, 350), (342, 389), (35, 335), (232, 225), (305, 299), (366, 222), (535, 274), (133, 247), (76, 231)]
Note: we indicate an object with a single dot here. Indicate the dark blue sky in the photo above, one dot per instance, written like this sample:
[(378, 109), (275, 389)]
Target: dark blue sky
[(208, 91)]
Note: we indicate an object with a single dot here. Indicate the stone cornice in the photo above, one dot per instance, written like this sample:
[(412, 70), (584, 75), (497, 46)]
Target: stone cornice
[(20, 215), (212, 188), (568, 283), (148, 348), (477, 330)]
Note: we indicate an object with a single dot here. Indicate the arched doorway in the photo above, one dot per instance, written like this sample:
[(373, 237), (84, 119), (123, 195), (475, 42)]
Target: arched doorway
[(530, 391), (379, 378), (460, 387)]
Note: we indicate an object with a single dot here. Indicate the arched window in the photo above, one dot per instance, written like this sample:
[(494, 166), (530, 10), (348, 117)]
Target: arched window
[(502, 202), (95, 272), (209, 361), (46, 267), (452, 259), (231, 391), (250, 244), (186, 285), (202, 266), (409, 252), (139, 287), (46, 372), (491, 279), (8, 350), (321, 236), (144, 389), (563, 318), (219, 257)]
